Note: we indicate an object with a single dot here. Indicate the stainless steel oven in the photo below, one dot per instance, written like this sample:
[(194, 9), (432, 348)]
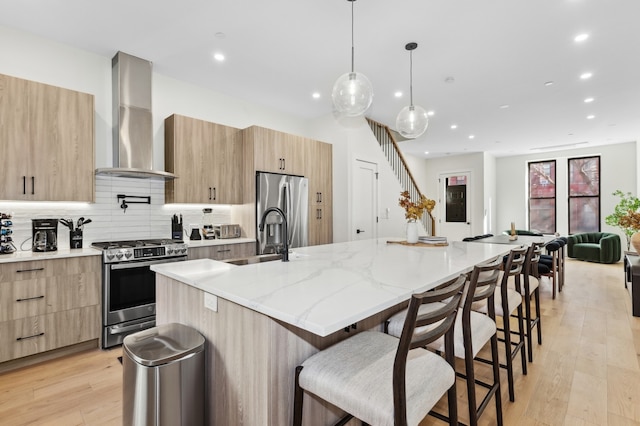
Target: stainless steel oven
[(129, 286)]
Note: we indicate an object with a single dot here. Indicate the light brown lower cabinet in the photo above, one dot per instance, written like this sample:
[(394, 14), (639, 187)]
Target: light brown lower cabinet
[(32, 335), (48, 304), (223, 251)]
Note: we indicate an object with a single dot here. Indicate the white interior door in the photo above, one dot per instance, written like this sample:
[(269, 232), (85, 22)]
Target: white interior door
[(364, 201), (454, 201)]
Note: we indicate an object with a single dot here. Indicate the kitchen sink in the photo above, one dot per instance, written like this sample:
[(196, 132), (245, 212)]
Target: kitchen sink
[(261, 258)]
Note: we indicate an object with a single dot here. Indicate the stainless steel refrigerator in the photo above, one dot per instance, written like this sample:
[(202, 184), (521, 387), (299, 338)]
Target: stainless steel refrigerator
[(291, 195)]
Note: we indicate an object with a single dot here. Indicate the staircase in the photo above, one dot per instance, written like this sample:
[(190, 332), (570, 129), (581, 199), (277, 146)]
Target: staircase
[(396, 160)]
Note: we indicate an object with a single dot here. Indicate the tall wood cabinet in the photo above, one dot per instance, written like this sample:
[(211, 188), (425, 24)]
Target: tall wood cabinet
[(46, 142), (48, 304), (268, 150), (207, 157), (320, 172)]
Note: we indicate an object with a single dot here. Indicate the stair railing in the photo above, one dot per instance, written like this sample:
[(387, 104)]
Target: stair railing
[(399, 165)]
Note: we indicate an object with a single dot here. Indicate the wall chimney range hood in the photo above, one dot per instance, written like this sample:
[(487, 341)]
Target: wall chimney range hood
[(132, 120)]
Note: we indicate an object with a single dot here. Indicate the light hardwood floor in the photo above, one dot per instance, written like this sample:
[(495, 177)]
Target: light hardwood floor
[(586, 372)]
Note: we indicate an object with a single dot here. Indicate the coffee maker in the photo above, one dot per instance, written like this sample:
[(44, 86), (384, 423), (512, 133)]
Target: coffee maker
[(44, 234)]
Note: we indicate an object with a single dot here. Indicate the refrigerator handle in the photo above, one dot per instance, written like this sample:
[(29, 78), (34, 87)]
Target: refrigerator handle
[(288, 207)]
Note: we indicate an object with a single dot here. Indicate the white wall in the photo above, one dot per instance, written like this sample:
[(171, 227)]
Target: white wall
[(618, 164)]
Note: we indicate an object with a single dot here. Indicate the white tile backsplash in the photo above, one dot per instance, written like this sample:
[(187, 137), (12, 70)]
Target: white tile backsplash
[(109, 221)]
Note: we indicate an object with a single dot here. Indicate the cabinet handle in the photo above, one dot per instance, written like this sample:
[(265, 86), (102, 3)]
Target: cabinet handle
[(30, 270), (224, 250), (30, 337), (26, 299), (24, 185), (284, 163), (215, 193), (320, 211), (209, 193), (33, 185)]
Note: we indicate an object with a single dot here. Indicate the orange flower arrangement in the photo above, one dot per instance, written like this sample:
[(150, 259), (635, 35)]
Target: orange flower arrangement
[(414, 211), (630, 221)]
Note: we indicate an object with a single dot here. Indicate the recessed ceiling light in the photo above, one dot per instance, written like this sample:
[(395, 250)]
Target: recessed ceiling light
[(398, 94), (449, 80), (591, 117), (504, 106), (315, 95), (548, 83), (588, 100), (220, 34), (586, 76), (581, 37), (218, 57), (454, 126), (430, 113), (426, 152), (472, 136)]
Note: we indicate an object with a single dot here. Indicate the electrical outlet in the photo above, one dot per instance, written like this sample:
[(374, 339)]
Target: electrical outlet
[(211, 302)]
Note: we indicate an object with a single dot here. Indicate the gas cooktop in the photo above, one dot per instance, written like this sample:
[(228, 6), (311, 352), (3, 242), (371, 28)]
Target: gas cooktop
[(124, 251)]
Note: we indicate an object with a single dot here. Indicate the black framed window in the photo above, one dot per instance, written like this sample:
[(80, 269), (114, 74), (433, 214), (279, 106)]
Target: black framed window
[(542, 196), (584, 194)]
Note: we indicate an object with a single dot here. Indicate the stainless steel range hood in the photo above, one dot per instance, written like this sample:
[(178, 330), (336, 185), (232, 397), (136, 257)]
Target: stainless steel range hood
[(132, 120)]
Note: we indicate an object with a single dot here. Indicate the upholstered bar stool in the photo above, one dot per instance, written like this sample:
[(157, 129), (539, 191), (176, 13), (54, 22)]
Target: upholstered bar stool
[(530, 289), (507, 302), (472, 331), (386, 381), (550, 261)]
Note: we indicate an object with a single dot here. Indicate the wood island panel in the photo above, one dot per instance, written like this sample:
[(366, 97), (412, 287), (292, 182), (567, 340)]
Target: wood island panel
[(250, 357)]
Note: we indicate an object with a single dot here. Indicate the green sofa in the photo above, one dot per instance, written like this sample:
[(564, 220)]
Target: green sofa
[(602, 247)]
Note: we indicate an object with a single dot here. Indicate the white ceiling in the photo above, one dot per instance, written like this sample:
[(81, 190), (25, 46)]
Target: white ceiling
[(278, 52)]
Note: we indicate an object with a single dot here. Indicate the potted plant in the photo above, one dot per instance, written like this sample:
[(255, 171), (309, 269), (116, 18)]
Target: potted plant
[(625, 215), (413, 212)]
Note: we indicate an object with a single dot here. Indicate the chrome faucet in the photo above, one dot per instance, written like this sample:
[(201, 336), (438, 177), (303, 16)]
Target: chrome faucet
[(285, 231)]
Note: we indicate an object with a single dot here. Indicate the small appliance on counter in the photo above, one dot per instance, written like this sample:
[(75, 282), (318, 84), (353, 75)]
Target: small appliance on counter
[(6, 241), (207, 224), (44, 234), (195, 233), (231, 230)]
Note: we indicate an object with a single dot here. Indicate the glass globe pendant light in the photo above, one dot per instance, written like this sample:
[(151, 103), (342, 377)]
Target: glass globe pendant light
[(352, 92), (412, 121)]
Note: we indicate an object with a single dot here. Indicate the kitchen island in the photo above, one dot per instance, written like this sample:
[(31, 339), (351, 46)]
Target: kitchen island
[(262, 320)]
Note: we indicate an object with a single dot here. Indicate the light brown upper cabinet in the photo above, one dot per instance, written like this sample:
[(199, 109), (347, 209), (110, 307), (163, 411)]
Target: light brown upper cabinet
[(277, 152), (206, 157), (46, 142)]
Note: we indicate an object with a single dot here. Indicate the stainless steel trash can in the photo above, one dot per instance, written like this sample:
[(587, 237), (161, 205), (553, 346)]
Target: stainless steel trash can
[(163, 377)]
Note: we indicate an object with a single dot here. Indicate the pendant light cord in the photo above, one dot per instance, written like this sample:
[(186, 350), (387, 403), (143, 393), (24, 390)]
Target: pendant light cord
[(411, 78), (352, 44)]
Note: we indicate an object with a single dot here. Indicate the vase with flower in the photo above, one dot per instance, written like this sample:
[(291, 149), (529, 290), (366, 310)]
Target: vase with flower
[(413, 212), (626, 216)]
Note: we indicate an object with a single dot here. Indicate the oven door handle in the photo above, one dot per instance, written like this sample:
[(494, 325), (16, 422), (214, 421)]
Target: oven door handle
[(133, 265), (119, 329)]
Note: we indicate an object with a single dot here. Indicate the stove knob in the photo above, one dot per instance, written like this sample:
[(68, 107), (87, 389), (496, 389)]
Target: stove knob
[(183, 250), (110, 256), (119, 255), (128, 254), (169, 250)]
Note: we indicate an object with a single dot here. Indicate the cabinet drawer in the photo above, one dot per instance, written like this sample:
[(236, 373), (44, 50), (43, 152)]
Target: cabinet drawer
[(26, 298), (47, 268), (224, 251), (28, 336)]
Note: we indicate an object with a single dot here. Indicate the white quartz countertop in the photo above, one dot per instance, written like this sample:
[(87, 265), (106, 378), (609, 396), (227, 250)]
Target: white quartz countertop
[(323, 289), (28, 255)]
